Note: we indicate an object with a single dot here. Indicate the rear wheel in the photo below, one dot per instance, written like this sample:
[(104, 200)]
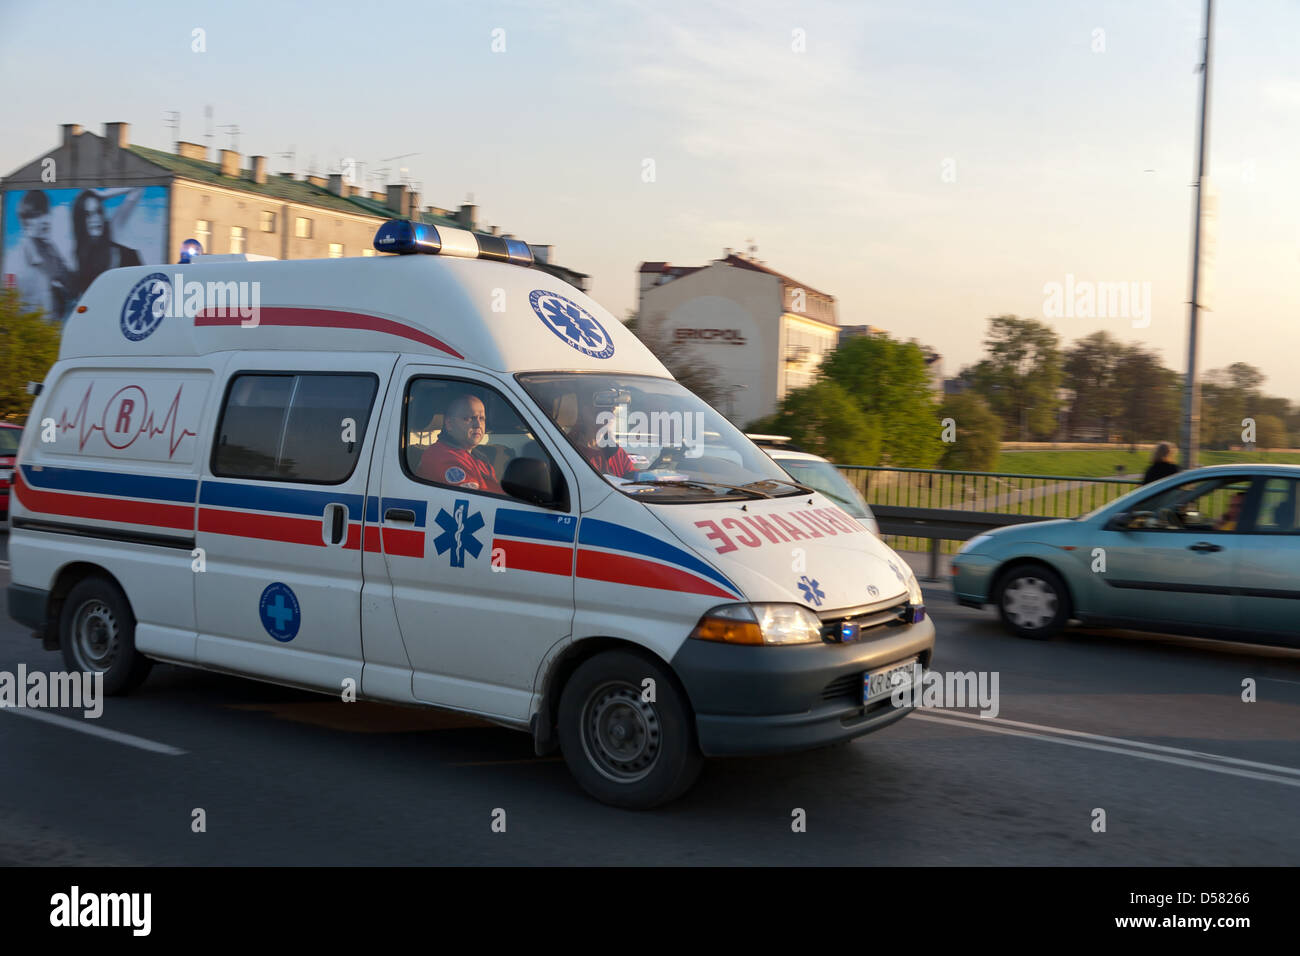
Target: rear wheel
[(97, 634), (623, 749), (1033, 602)]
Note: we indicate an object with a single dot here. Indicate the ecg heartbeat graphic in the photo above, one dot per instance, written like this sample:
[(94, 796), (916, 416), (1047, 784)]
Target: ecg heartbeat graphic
[(147, 428)]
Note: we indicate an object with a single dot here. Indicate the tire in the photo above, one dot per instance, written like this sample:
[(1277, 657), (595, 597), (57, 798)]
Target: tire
[(1033, 602), (97, 633), (658, 758)]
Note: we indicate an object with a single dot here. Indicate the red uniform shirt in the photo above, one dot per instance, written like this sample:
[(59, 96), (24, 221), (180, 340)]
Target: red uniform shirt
[(617, 464), (450, 465)]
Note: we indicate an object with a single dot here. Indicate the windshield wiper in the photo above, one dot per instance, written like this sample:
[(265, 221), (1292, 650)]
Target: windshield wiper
[(694, 483), (773, 481)]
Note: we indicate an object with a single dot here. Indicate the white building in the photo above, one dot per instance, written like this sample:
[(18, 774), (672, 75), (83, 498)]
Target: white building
[(766, 333)]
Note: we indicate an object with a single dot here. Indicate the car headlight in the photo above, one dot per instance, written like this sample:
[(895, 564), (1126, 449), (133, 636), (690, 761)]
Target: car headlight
[(974, 543), (760, 624)]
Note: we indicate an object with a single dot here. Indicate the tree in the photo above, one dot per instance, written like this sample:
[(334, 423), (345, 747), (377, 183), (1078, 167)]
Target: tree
[(1089, 369), (28, 347), (696, 374), (825, 420), (1270, 432), (889, 382), (1020, 376), (1148, 395), (978, 434)]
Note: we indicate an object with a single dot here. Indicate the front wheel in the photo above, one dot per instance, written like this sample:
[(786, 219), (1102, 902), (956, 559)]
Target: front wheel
[(97, 633), (1033, 602), (627, 742)]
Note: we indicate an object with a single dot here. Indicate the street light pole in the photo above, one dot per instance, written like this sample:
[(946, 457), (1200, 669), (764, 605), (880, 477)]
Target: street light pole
[(1191, 387)]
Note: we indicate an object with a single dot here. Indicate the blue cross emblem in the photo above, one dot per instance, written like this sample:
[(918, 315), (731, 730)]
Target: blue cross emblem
[(281, 615), (458, 532), (812, 591), (572, 323)]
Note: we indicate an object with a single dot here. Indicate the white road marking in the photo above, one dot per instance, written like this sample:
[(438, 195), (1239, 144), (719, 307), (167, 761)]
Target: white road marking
[(1124, 742), (987, 726), (84, 727)]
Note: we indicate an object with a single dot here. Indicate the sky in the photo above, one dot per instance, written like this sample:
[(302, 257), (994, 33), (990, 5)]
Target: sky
[(930, 164)]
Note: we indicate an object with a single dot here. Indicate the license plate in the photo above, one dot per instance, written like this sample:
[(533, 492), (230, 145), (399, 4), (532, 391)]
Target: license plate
[(882, 683)]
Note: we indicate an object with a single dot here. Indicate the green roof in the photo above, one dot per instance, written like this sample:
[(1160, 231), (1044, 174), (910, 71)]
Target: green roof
[(277, 187)]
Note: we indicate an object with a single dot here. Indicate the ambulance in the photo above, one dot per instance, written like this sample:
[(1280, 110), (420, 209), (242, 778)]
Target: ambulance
[(441, 476)]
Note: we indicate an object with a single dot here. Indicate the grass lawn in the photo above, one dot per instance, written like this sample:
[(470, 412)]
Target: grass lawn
[(1101, 462)]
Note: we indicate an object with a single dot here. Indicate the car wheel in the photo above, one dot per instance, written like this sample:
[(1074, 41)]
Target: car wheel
[(97, 634), (1033, 602), (622, 749)]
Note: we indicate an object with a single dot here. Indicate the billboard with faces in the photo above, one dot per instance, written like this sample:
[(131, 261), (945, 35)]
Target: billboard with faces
[(56, 241)]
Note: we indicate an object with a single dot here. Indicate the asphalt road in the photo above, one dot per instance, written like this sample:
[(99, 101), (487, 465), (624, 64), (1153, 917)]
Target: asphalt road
[(1151, 730)]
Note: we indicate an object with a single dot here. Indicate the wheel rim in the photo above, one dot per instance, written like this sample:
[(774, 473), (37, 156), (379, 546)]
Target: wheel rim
[(95, 636), (621, 733), (1029, 602)]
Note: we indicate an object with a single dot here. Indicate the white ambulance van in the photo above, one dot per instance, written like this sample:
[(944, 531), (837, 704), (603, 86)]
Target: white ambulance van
[(443, 477)]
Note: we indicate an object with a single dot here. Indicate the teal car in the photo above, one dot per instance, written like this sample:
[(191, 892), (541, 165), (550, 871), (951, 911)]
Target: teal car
[(1211, 552)]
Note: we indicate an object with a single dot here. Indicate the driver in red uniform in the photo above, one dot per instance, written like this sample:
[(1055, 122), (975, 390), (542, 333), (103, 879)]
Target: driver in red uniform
[(449, 460)]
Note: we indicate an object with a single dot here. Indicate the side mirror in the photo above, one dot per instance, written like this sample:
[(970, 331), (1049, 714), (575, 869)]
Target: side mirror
[(1119, 522), (529, 479)]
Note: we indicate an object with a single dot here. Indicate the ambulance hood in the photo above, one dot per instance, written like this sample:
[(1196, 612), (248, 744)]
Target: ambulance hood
[(801, 549)]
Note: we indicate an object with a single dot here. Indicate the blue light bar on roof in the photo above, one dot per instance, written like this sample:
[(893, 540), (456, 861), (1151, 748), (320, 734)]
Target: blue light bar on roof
[(403, 237)]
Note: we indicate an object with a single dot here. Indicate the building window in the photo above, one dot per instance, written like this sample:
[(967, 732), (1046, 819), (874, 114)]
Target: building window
[(302, 228), (268, 221), (367, 252), (237, 239), (203, 233), (336, 250)]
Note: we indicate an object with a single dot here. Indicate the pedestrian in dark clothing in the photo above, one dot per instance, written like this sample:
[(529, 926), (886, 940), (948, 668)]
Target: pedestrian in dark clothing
[(1162, 465)]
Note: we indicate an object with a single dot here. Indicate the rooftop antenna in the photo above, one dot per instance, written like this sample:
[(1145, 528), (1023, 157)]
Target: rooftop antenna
[(233, 130), (207, 130), (401, 170), (290, 155), (172, 121)]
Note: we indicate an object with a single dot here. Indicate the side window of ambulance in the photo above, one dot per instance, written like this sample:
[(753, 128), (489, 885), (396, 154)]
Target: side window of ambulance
[(290, 426), (462, 434)]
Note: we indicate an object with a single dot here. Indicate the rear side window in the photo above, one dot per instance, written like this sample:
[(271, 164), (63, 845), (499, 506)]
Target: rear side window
[(293, 426)]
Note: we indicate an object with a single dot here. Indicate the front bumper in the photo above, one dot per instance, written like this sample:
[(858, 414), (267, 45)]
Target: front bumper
[(971, 578), (755, 700)]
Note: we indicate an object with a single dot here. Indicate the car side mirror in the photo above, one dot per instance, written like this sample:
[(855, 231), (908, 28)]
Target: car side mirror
[(529, 479), (1119, 522)]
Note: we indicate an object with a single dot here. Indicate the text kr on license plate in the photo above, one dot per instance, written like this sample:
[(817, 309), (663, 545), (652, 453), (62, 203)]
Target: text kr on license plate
[(882, 683)]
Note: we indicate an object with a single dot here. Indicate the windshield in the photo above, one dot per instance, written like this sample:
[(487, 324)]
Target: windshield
[(652, 439), (9, 440), (824, 476)]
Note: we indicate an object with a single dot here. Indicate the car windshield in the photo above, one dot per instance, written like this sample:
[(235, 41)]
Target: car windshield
[(827, 479), (653, 439), (9, 440)]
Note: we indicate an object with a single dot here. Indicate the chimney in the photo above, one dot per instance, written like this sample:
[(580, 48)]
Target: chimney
[(412, 205), (396, 199), (493, 230), (191, 151), (70, 132), (336, 184), (115, 135), (320, 181), (229, 163), (378, 196), (466, 216), (541, 253), (259, 169)]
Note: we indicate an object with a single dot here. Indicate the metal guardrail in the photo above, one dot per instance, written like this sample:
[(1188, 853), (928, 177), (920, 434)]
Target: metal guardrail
[(942, 524), (950, 506)]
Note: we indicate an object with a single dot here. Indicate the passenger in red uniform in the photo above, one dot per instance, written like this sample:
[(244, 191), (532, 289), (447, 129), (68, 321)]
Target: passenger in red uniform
[(449, 460), (597, 444)]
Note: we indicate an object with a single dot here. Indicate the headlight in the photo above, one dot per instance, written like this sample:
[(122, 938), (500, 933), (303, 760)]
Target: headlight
[(974, 543), (760, 624)]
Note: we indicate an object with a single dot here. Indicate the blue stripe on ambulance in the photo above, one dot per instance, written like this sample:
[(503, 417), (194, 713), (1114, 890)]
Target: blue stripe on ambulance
[(613, 537)]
